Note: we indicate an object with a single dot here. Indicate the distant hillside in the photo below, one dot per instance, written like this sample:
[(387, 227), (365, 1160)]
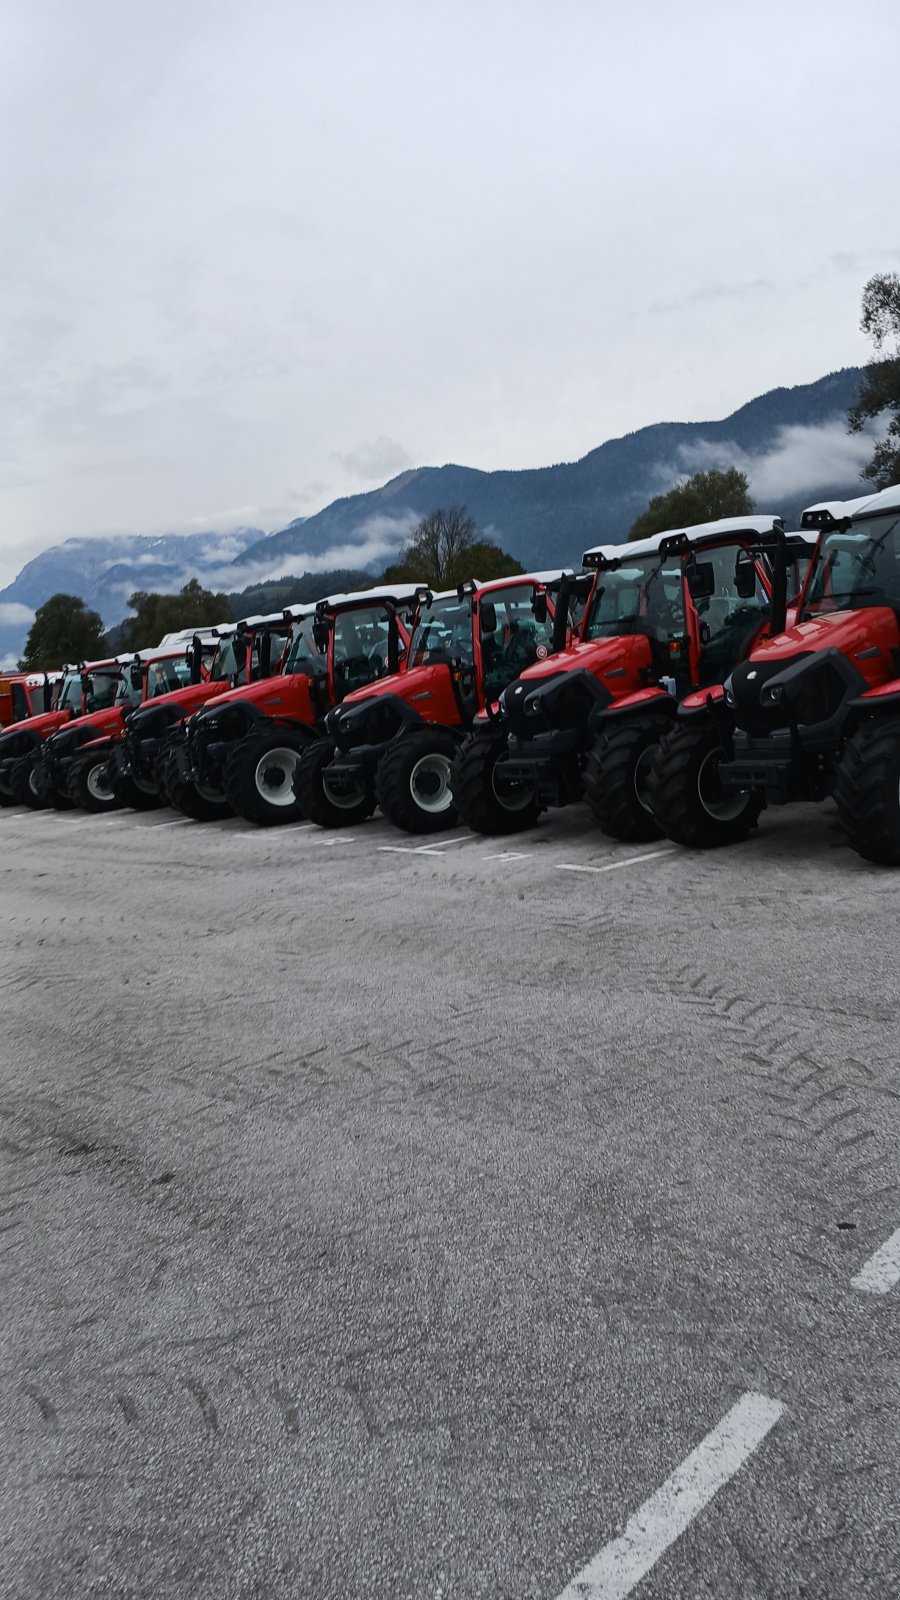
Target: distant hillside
[(792, 443)]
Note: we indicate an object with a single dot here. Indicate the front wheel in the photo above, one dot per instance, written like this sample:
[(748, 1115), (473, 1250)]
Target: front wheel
[(89, 785), (25, 786), (616, 777), (201, 804), (327, 796), (259, 776), (138, 794), (687, 796), (412, 784), (488, 801), (867, 792)]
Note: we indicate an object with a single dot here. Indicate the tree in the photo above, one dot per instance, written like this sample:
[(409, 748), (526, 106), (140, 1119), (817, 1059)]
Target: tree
[(879, 392), (63, 630), (442, 551), (159, 614), (702, 498)]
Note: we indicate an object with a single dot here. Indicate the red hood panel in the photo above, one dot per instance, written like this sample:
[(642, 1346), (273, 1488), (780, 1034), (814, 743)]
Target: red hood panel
[(847, 631), (405, 684)]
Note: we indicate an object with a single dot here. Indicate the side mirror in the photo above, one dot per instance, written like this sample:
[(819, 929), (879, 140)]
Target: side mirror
[(701, 577), (85, 683), (539, 606), (321, 633), (745, 575), (488, 613), (136, 674)]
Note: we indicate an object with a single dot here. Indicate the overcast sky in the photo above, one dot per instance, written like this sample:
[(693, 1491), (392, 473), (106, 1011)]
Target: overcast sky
[(259, 255)]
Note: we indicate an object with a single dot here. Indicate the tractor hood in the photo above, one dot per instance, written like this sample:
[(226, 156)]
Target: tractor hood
[(99, 724), (43, 726), (850, 632), (404, 685), (624, 654), (187, 700)]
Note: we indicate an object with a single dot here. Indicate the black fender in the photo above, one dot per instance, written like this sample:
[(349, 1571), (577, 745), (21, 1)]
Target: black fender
[(561, 701), (374, 721), (661, 704)]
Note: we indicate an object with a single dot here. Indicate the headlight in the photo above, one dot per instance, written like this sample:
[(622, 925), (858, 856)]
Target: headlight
[(772, 694)]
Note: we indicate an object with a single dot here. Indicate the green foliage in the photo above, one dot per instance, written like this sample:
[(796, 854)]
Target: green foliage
[(879, 392), (442, 551), (702, 498), (159, 614), (63, 630)]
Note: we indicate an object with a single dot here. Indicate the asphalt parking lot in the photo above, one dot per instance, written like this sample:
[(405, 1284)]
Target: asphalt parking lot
[(459, 1218)]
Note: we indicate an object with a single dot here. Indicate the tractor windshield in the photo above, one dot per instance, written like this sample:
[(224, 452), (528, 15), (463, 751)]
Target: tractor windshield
[(444, 633), (855, 567), (225, 662), (163, 677), (516, 640), (304, 654), (645, 596), (360, 641)]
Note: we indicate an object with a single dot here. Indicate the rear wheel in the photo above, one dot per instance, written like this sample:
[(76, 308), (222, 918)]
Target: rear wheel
[(24, 785), (89, 785), (327, 798), (617, 774), (259, 776), (7, 798), (202, 804), (412, 784), (687, 797), (488, 802), (867, 792)]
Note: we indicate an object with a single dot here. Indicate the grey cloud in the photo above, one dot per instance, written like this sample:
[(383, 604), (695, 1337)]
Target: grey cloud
[(14, 615), (379, 459), (801, 459)]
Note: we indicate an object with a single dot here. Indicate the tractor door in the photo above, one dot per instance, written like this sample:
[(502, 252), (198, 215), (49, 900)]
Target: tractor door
[(360, 644), (511, 637), (731, 605)]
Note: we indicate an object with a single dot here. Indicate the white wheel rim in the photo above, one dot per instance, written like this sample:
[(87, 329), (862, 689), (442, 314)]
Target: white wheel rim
[(212, 796), (512, 795), (641, 771), (32, 784), (724, 807), (143, 785), (429, 783), (274, 777), (97, 782), (342, 797)]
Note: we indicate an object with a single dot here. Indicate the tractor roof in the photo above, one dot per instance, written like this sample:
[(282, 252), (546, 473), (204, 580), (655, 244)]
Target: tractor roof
[(399, 594), (186, 635), (272, 619), (157, 653), (827, 512), (699, 533)]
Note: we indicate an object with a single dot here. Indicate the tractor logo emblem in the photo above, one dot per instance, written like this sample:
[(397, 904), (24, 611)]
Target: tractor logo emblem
[(542, 652), (750, 675)]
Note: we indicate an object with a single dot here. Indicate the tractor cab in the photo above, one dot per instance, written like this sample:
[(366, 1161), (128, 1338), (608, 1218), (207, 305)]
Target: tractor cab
[(78, 691), (26, 694)]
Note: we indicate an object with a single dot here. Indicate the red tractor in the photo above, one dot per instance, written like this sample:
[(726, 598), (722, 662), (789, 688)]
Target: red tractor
[(80, 691), (239, 754), (393, 743), (239, 653), (72, 765), (25, 694), (814, 711), (664, 617)]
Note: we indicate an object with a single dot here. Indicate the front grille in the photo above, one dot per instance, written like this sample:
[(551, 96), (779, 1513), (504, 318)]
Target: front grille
[(747, 682)]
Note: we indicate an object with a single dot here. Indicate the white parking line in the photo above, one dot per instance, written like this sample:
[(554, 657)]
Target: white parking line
[(664, 1517), (177, 822), (436, 847), (337, 838), (882, 1270), (509, 855), (613, 866)]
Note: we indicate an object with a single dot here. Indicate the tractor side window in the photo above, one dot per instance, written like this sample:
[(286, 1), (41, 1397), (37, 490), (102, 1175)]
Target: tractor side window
[(646, 598), (163, 677), (102, 695), (360, 644), (225, 661), (515, 642), (69, 693), (303, 654), (444, 634), (729, 621)]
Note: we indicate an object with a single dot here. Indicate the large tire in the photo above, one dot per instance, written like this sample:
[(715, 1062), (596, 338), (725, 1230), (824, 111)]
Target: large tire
[(867, 792), (485, 803), (616, 774), (138, 795), (89, 784), (413, 783), (7, 798), (26, 790), (687, 799), (202, 805), (259, 776), (330, 806)]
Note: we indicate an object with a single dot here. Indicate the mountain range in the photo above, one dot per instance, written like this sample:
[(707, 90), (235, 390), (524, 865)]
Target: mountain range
[(792, 443)]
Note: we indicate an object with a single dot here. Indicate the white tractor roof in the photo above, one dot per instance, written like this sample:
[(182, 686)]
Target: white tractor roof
[(866, 505), (272, 619), (400, 593), (699, 533)]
